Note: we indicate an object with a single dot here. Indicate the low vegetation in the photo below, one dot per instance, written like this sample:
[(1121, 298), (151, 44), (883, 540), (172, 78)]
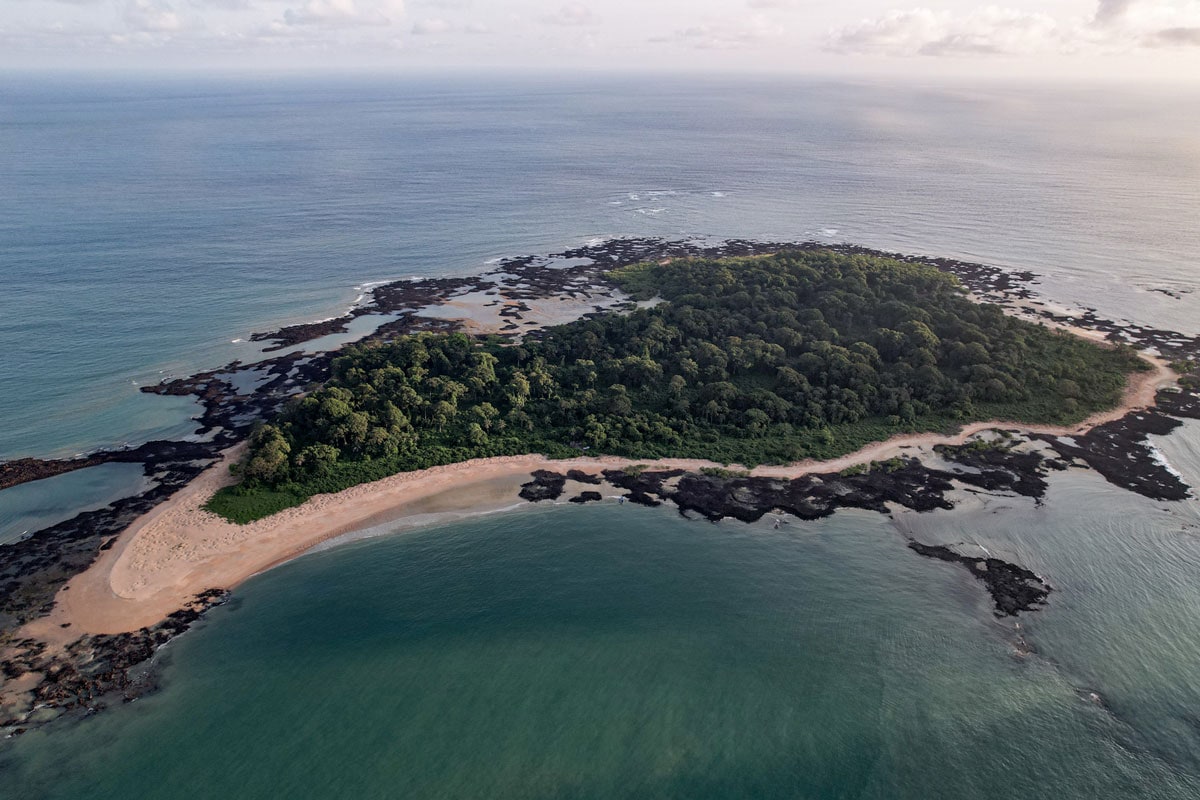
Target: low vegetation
[(748, 361)]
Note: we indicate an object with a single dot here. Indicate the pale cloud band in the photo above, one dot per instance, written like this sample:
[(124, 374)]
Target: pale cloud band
[(775, 35), (1116, 26)]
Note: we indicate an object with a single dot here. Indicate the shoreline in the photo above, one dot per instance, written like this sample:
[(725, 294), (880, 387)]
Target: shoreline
[(99, 594), (178, 550)]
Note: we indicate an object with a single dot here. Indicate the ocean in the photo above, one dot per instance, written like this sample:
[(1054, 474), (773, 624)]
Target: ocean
[(148, 227)]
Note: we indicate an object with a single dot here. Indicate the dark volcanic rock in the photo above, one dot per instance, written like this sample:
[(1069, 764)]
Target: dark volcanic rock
[(586, 497), (1120, 452), (1000, 468), (907, 483), (305, 331), (1183, 404), (1013, 588), (23, 470), (546, 485), (95, 669), (911, 485), (645, 487)]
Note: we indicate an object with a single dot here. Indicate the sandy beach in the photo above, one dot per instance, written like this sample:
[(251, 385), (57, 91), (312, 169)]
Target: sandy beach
[(177, 550)]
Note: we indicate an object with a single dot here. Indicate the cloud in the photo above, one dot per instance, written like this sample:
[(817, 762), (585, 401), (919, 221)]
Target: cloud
[(438, 26), (923, 31), (727, 35), (1109, 11), (68, 2), (228, 5), (344, 13), (431, 27), (1174, 37), (151, 16), (573, 14), (1116, 25)]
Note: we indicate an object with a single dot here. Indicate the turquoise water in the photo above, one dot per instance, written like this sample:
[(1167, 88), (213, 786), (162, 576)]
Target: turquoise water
[(601, 651), (620, 652), (146, 226)]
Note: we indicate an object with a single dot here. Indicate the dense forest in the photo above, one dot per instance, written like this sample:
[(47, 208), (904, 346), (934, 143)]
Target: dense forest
[(756, 360)]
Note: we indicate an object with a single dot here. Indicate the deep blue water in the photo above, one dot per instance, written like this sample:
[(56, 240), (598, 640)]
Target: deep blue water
[(607, 651)]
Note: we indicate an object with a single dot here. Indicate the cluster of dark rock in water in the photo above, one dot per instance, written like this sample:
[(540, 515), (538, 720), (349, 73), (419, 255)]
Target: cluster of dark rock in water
[(96, 670), (33, 570), (903, 482)]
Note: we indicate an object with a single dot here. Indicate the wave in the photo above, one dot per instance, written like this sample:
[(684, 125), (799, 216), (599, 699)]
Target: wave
[(407, 523), (717, 194), (1160, 458)]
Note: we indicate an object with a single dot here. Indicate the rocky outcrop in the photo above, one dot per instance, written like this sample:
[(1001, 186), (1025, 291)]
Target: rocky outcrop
[(92, 671), (1013, 588)]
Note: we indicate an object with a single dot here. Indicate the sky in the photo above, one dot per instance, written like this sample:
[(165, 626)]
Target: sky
[(1155, 40)]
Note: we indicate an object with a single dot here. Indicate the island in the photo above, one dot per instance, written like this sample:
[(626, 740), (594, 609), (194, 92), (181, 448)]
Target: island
[(731, 380), (754, 360)]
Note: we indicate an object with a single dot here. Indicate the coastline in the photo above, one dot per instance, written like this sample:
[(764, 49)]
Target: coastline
[(100, 593), (178, 550)]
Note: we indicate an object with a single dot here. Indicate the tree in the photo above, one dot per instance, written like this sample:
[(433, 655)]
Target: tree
[(476, 435), (618, 402), (482, 373), (485, 414), (269, 462), (318, 459), (752, 360), (757, 422), (518, 389), (443, 413)]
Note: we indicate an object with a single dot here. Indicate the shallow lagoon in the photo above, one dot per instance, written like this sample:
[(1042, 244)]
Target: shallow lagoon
[(33, 506)]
